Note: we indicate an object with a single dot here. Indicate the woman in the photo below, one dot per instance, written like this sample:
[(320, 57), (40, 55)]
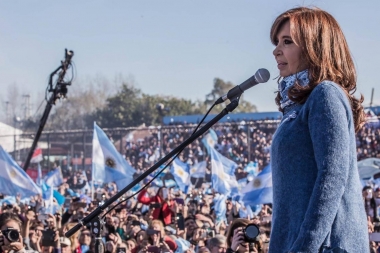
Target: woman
[(236, 240), (74, 239), (162, 204), (157, 237), (10, 226), (317, 202)]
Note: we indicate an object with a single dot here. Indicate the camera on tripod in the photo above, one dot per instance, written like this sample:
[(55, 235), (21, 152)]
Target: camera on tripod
[(12, 235)]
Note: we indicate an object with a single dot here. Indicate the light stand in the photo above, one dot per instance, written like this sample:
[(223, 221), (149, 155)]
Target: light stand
[(59, 91)]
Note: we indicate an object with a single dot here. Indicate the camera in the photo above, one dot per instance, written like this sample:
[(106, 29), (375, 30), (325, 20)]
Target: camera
[(11, 234), (251, 231)]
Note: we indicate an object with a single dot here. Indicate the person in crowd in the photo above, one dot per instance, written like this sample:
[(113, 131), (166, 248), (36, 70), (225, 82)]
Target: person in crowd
[(85, 240), (161, 204), (141, 241), (65, 244), (11, 240), (316, 186), (370, 203), (235, 237), (74, 239), (217, 244), (157, 237)]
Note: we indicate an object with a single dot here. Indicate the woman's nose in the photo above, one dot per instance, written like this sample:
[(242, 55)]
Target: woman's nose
[(276, 51)]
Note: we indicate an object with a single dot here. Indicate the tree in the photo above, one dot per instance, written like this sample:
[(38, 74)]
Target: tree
[(219, 89), (121, 110), (84, 97), (130, 107)]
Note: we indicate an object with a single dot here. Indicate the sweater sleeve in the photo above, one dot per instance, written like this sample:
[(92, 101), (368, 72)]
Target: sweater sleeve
[(142, 198), (329, 124)]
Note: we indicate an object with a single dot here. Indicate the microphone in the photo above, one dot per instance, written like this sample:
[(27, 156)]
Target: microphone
[(261, 76)]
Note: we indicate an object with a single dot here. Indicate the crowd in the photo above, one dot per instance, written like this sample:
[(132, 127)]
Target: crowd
[(242, 142), (155, 220), (164, 219)]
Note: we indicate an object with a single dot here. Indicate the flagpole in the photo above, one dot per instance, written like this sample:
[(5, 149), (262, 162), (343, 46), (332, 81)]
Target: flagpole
[(229, 108), (92, 189), (51, 199)]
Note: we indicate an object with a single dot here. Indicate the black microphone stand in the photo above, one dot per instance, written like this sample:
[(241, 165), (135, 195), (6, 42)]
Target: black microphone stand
[(94, 214)]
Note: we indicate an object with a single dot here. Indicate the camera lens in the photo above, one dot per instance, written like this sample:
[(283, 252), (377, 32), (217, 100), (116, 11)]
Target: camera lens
[(251, 231), (13, 236)]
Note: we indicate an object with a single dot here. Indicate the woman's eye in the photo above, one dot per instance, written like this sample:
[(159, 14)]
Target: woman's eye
[(286, 42)]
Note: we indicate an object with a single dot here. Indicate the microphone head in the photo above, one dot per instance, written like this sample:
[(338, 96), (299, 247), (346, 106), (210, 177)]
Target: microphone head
[(262, 75)]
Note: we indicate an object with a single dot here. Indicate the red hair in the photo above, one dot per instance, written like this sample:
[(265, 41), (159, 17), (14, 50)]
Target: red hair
[(326, 52)]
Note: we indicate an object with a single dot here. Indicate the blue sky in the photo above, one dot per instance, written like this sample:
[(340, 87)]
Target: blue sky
[(170, 47)]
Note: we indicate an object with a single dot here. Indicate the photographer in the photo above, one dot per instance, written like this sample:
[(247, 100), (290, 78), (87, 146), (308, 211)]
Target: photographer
[(236, 241), (31, 234), (158, 239), (11, 240)]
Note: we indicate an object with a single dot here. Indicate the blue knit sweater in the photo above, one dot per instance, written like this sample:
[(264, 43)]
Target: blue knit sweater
[(317, 200)]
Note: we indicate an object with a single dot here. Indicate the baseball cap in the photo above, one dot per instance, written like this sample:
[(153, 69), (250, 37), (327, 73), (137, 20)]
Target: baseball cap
[(65, 241)]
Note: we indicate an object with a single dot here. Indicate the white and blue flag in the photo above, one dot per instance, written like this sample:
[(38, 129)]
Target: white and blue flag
[(259, 190), (210, 140), (245, 211), (229, 166), (252, 168), (220, 207), (198, 170), (107, 164), (13, 179), (54, 178), (222, 182), (180, 171), (87, 185), (39, 180)]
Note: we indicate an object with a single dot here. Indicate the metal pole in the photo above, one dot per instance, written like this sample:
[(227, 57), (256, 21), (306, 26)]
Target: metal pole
[(249, 142), (48, 150), (161, 141), (121, 142), (84, 151), (14, 141)]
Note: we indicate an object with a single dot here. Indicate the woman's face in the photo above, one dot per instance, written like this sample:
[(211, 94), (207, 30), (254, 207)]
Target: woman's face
[(156, 235), (287, 54), (140, 237), (10, 225), (131, 245)]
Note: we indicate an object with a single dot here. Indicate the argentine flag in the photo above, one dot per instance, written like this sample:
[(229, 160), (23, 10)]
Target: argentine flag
[(54, 178), (259, 190), (180, 171), (198, 170), (252, 168), (220, 207), (39, 180), (13, 179), (210, 140), (107, 164), (222, 182)]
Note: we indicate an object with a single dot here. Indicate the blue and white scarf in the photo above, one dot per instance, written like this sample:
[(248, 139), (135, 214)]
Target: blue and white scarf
[(288, 82)]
